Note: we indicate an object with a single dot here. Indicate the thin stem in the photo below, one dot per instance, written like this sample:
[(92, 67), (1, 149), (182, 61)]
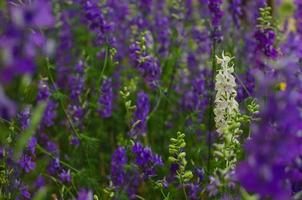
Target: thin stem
[(182, 184), (211, 106), (50, 155), (61, 102)]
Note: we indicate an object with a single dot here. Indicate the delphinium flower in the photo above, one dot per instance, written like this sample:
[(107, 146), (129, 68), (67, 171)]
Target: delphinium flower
[(196, 98), (85, 195), (246, 85), (275, 142), (118, 13), (145, 62), (96, 21), (106, 98), (63, 53), (118, 161), (265, 37), (27, 163), (139, 122), (216, 16), (22, 39), (76, 84), (236, 10), (44, 94), (7, 107), (146, 160), (162, 30), (298, 16), (225, 101), (65, 176), (24, 118)]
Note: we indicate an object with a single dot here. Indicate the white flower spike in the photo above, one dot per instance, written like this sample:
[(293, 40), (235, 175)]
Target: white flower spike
[(226, 105)]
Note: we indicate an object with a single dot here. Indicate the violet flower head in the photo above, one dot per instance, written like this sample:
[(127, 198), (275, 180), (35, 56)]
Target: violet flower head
[(146, 160), (31, 146), (43, 91), (235, 8), (298, 16), (54, 166), (40, 182), (216, 16), (96, 20), (106, 98), (65, 176), (118, 162), (7, 107), (265, 42), (140, 116), (33, 13), (27, 163), (268, 167), (85, 195), (24, 118)]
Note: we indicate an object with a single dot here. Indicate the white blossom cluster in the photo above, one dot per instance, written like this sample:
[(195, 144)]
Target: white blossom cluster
[(225, 101)]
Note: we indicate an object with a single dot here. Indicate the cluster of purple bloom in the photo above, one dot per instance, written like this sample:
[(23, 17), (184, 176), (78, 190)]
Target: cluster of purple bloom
[(92, 94)]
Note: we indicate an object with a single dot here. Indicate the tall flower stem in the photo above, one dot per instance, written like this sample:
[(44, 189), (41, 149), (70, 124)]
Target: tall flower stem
[(211, 106)]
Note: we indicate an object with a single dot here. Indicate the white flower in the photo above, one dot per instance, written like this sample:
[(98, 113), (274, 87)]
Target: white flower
[(225, 101)]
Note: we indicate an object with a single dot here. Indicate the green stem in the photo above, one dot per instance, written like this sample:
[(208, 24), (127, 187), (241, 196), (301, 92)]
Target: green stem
[(61, 102), (211, 107), (182, 185), (50, 155)]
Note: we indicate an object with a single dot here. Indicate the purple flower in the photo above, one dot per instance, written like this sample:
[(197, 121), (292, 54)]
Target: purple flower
[(65, 176), (146, 159), (7, 108), (298, 16), (216, 16), (265, 43), (32, 145), (75, 141), (27, 163), (24, 192), (33, 13), (140, 116), (106, 98), (54, 166), (24, 118), (95, 20), (40, 182), (85, 195), (236, 11), (275, 141), (118, 162)]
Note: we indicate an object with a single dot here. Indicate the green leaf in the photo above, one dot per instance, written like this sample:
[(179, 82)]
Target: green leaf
[(28, 133), (41, 194)]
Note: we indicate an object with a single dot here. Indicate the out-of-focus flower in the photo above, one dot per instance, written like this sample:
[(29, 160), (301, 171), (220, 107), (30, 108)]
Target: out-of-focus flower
[(7, 107), (118, 162), (65, 176), (139, 122), (27, 163), (216, 16), (85, 195), (106, 98)]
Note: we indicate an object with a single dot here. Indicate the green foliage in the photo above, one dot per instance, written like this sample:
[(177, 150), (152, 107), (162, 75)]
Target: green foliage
[(178, 156)]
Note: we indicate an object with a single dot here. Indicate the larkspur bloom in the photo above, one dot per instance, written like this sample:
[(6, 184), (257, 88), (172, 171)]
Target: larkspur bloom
[(225, 101), (118, 162), (146, 159), (140, 116), (106, 98)]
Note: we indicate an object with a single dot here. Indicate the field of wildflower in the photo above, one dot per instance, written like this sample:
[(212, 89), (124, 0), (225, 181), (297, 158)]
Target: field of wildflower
[(151, 99)]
